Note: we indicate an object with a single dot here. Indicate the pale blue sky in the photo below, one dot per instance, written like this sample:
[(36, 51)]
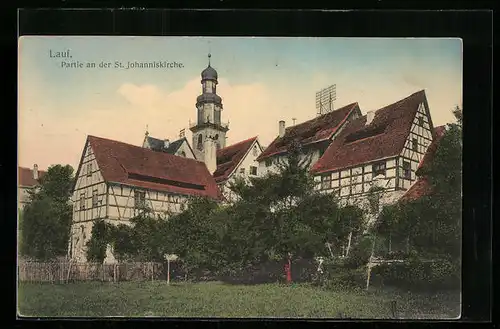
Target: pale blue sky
[(262, 80)]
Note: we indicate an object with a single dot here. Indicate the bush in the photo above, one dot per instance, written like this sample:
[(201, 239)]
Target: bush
[(419, 275), (360, 252), (338, 275)]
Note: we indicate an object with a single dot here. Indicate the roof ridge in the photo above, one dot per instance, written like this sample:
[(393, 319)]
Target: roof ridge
[(238, 143), (140, 147), (351, 105)]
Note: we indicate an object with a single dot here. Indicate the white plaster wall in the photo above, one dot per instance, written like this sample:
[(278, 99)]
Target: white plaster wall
[(185, 148)]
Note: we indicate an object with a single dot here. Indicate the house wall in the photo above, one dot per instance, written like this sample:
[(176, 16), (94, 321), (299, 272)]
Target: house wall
[(187, 151), (122, 204), (243, 170), (269, 165), (22, 196), (89, 201), (421, 132)]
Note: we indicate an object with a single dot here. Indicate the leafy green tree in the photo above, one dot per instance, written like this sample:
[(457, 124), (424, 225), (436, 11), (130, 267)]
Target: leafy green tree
[(46, 219), (432, 224), (100, 237)]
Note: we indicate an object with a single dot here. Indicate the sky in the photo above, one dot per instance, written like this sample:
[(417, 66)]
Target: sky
[(261, 81)]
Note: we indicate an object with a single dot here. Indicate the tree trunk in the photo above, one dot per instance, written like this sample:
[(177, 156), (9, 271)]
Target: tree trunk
[(349, 244), (390, 241)]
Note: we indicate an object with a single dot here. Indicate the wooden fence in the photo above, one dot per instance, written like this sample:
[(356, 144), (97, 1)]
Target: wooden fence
[(60, 272)]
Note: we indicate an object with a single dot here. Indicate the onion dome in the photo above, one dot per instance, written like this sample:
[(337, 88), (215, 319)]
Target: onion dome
[(209, 73)]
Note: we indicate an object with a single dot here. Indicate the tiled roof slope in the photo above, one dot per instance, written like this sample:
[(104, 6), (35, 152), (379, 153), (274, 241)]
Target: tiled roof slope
[(385, 136), (315, 130), (137, 166), (229, 157), (26, 176), (422, 186)]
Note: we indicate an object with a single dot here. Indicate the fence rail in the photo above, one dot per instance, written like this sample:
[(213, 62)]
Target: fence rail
[(70, 271)]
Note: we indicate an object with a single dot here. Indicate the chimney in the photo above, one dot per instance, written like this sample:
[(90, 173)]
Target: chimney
[(210, 154), (35, 171), (369, 117), (281, 130), (166, 143)]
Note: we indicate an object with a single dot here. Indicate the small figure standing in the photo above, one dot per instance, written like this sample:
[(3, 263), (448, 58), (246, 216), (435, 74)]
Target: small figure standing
[(288, 270)]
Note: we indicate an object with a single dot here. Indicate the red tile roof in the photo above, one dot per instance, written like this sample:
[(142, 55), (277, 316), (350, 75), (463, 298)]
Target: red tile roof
[(229, 157), (422, 186), (313, 131), (385, 136), (26, 176), (137, 166)]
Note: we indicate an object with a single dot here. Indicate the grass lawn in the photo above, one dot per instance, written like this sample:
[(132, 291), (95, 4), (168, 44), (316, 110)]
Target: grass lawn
[(216, 299)]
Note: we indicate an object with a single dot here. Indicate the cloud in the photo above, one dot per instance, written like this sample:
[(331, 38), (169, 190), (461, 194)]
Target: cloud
[(252, 109)]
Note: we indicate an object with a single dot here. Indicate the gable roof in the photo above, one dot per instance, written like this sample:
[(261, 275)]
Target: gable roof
[(229, 157), (384, 137), (422, 186), (26, 176), (312, 131), (156, 144), (138, 166)]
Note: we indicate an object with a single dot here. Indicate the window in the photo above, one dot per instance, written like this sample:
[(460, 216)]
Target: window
[(82, 201), (269, 162), (326, 182), (255, 151), (217, 115), (421, 121), (242, 170), (253, 170), (415, 144), (406, 170), (139, 199), (200, 142), (378, 169), (183, 154), (89, 169), (94, 198)]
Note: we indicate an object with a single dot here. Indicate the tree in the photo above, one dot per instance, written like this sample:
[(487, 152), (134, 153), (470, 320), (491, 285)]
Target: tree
[(432, 224), (46, 219)]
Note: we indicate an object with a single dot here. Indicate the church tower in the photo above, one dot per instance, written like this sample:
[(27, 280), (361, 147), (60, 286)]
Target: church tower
[(208, 122)]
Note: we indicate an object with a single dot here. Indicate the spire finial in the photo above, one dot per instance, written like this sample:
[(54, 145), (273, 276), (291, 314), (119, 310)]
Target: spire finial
[(147, 132), (209, 55)]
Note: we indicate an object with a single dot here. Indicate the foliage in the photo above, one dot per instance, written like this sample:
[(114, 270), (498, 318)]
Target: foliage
[(432, 224), (417, 274), (46, 218), (96, 246), (361, 251)]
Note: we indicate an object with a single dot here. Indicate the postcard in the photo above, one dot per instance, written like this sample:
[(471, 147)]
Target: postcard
[(239, 177)]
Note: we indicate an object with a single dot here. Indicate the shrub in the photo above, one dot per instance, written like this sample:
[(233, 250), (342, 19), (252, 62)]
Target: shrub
[(420, 275), (360, 252), (338, 275)]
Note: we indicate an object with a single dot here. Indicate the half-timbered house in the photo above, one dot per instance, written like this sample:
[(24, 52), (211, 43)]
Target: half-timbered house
[(237, 160), (382, 148), (314, 137), (115, 180)]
